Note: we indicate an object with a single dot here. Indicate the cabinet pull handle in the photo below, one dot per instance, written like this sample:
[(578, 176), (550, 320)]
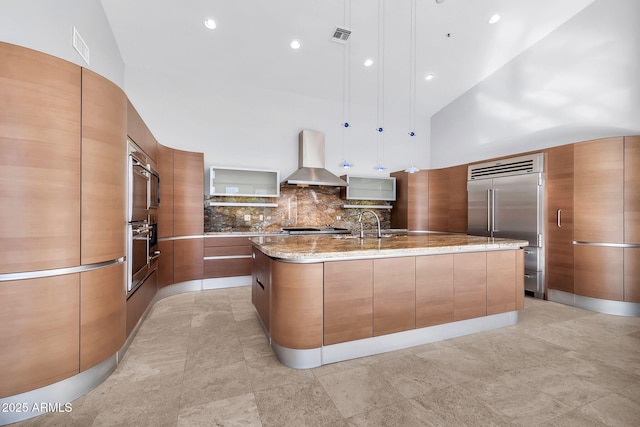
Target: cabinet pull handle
[(260, 283), (559, 216), (489, 210)]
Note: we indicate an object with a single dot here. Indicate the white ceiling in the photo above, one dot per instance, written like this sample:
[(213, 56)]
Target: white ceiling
[(250, 46)]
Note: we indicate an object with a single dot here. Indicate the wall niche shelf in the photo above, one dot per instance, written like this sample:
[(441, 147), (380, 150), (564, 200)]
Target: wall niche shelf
[(239, 182), (369, 188)]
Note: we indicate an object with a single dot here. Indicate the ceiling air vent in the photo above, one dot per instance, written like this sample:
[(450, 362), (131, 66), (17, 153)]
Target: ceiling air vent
[(80, 46), (340, 35), (506, 167)]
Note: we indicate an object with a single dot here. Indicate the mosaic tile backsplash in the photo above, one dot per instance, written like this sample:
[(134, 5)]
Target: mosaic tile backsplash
[(297, 207)]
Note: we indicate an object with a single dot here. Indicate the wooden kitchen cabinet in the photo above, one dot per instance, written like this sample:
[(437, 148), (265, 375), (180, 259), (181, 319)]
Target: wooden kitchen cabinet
[(139, 133), (501, 281), (394, 295), (39, 329), (104, 169), (140, 300), (165, 211), (102, 314), (469, 285), (411, 208), (632, 274), (559, 192), (187, 259), (188, 197), (439, 199), (458, 203), (227, 257), (165, 263), (434, 290), (296, 304), (599, 272), (39, 161), (261, 286), (599, 191), (348, 300), (632, 189)]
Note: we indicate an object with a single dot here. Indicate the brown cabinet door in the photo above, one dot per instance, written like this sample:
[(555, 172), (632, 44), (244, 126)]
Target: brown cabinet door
[(632, 274), (140, 300), (233, 257), (39, 161), (104, 109), (394, 295), (165, 263), (165, 211), (411, 208), (139, 133), (469, 285), (501, 281), (559, 189), (348, 301), (261, 286), (458, 207), (599, 191), (39, 330), (102, 314), (434, 290), (188, 197), (632, 189), (439, 199), (599, 272), (188, 258)]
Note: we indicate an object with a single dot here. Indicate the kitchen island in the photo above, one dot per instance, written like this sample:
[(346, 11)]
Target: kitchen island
[(327, 298)]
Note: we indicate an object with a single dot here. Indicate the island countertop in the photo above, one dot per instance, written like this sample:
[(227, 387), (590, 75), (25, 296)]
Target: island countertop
[(319, 248)]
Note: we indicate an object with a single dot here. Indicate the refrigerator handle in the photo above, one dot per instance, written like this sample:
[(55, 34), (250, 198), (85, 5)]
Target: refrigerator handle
[(489, 210), (494, 194), (559, 216)]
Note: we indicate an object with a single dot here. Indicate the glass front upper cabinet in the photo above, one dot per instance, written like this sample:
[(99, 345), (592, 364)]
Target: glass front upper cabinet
[(243, 182), (369, 188)]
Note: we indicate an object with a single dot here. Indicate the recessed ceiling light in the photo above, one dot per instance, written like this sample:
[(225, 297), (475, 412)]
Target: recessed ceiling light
[(210, 23), (495, 18), (429, 76), (439, 1), (295, 44), (368, 62)]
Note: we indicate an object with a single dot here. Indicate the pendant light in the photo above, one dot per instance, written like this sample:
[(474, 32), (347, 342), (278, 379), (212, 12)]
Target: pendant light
[(380, 114), (346, 90), (412, 88)]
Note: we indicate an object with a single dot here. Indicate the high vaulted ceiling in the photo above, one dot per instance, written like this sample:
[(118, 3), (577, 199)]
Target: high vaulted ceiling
[(250, 46)]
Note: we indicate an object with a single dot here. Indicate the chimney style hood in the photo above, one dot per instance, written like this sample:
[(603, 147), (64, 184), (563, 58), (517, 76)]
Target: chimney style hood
[(311, 162)]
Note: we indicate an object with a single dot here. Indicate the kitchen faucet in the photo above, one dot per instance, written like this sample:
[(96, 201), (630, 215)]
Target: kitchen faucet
[(362, 226)]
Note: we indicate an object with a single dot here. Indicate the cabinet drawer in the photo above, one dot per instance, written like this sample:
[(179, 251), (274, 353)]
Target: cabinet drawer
[(219, 251), (229, 267), (227, 241)]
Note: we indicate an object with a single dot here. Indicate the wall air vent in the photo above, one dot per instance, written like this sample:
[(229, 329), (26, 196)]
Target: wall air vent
[(79, 45), (340, 35), (507, 167)]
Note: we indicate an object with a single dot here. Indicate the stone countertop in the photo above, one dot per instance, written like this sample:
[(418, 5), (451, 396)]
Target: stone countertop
[(319, 248)]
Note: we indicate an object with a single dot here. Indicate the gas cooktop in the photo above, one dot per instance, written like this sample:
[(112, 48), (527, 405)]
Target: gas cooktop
[(313, 230)]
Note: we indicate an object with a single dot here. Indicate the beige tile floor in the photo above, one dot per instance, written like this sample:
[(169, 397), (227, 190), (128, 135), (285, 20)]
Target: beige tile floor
[(201, 359)]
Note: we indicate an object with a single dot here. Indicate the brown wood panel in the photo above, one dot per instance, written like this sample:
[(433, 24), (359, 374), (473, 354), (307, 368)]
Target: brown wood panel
[(599, 272), (102, 314), (188, 197), (599, 191), (632, 274), (230, 267), (165, 263), (394, 295), (296, 304), (458, 200), (439, 188), (39, 161), (227, 241), (399, 214), (469, 285), (559, 194), (418, 210), (139, 301), (139, 133), (104, 169), (632, 189), (165, 211), (226, 250), (520, 279), (348, 301), (261, 286), (501, 281), (39, 330), (434, 290), (188, 259)]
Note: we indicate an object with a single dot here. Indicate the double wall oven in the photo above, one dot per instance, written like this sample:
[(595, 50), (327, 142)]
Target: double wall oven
[(144, 199)]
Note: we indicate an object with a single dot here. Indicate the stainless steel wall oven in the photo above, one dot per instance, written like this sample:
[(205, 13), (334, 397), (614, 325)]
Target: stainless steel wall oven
[(144, 191)]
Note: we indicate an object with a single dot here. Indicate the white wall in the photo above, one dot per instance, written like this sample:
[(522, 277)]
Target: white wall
[(581, 82), (47, 26)]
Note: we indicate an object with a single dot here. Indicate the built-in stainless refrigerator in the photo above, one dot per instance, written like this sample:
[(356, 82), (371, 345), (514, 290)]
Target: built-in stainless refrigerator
[(506, 200)]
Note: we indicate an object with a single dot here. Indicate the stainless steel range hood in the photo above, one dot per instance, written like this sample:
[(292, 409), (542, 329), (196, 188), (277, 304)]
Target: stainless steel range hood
[(311, 162)]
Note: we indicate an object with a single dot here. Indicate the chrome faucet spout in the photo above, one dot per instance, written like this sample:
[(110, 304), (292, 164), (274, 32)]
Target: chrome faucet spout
[(362, 226)]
